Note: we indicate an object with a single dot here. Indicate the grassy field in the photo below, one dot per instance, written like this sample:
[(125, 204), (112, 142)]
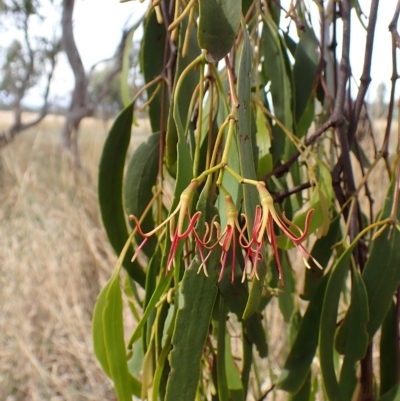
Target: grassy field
[(54, 258)]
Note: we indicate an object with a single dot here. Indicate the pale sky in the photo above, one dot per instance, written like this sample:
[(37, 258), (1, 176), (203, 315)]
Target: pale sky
[(98, 26)]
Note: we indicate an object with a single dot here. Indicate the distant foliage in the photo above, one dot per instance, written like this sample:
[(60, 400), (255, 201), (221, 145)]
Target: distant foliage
[(253, 194)]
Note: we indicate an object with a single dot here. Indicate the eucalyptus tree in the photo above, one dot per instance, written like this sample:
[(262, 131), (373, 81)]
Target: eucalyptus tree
[(256, 261), (82, 104), (29, 60)]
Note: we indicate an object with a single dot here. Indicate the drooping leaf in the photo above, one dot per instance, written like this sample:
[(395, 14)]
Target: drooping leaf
[(111, 171), (178, 112), (198, 295), (322, 252), (297, 366), (304, 69), (245, 141), (275, 68), (355, 342), (152, 66), (140, 177), (387, 356), (328, 325), (125, 89), (219, 22), (381, 274), (108, 339), (392, 395)]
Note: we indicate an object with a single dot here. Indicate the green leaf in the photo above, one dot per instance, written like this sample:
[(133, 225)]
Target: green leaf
[(328, 325), (387, 356), (140, 177), (274, 66), (162, 286), (178, 112), (152, 65), (304, 393), (297, 366), (381, 273), (285, 299), (250, 193), (322, 252), (234, 381), (304, 70), (392, 395), (223, 392), (125, 86), (218, 25), (355, 341), (108, 339), (111, 171), (235, 296), (198, 295)]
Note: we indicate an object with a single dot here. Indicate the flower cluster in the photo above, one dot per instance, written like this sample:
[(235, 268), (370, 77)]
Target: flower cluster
[(233, 234)]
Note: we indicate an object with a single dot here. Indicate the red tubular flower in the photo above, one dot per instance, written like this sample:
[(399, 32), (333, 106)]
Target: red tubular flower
[(265, 217), (228, 236), (179, 233)]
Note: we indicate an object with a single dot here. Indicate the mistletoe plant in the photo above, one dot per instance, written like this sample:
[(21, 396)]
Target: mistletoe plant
[(250, 156)]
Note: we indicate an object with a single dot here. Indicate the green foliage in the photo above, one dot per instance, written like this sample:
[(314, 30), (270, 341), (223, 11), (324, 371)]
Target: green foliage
[(225, 197)]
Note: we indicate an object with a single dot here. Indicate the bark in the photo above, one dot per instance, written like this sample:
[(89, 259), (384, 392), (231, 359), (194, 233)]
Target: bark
[(80, 106)]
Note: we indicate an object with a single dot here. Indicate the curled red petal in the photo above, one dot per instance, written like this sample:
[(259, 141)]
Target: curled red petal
[(139, 248), (276, 253), (138, 228)]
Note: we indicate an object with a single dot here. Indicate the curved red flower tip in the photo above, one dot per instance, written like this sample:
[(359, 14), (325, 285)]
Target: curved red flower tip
[(228, 236), (178, 235), (183, 211), (265, 217)]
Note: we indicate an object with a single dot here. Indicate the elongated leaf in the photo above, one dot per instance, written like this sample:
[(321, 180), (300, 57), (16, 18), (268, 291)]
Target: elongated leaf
[(234, 381), (162, 285), (152, 65), (381, 274), (218, 25), (328, 325), (140, 177), (245, 140), (198, 296), (304, 393), (356, 337), (99, 344), (111, 171), (223, 392), (108, 339), (275, 68), (387, 356), (392, 395), (178, 112), (297, 365), (305, 67), (125, 92), (322, 252)]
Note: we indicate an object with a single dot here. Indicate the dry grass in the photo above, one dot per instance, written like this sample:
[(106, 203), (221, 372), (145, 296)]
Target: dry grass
[(54, 258)]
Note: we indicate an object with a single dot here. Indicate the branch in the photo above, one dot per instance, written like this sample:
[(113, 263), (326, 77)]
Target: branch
[(75, 61), (18, 126), (366, 74), (118, 57), (395, 76)]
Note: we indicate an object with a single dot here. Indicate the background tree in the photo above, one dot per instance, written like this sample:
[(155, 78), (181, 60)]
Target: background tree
[(27, 63), (81, 105), (255, 125)]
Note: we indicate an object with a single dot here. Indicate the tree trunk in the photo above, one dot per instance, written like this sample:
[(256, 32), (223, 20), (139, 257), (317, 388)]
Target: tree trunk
[(80, 107)]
